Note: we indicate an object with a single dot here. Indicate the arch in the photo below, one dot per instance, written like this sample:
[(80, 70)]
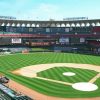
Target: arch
[(13, 24), (68, 25), (33, 25), (37, 25), (87, 24), (58, 25), (82, 24), (78, 25), (73, 25), (8, 24), (23, 25), (53, 25), (3, 24), (28, 25), (18, 25), (93, 24), (97, 24), (63, 25)]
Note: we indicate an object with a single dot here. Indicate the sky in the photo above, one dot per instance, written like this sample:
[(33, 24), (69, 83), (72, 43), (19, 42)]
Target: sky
[(50, 9)]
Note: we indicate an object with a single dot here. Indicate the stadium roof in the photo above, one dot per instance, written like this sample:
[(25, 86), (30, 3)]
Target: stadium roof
[(89, 22)]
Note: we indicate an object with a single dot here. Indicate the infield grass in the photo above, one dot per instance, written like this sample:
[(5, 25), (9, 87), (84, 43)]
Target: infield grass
[(56, 73)]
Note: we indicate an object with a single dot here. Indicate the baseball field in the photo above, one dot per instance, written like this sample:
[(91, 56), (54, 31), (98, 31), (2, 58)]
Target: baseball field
[(53, 80)]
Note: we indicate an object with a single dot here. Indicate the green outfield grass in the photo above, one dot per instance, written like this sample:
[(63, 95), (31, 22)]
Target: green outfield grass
[(13, 62)]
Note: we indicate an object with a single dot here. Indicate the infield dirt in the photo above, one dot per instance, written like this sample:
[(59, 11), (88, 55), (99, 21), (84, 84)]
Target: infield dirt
[(31, 71)]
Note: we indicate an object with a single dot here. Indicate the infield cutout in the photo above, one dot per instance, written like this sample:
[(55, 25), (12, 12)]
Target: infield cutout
[(69, 74), (31, 72), (85, 86)]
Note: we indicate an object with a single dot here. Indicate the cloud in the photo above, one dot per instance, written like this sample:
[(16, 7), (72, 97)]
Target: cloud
[(43, 11), (46, 9)]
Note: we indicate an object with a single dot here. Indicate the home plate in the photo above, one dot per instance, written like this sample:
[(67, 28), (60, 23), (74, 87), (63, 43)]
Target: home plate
[(68, 73), (85, 86)]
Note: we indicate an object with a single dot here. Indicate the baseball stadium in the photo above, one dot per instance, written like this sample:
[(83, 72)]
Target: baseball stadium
[(54, 59), (49, 59)]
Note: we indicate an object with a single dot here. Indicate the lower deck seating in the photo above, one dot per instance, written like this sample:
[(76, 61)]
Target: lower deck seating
[(4, 96), (23, 98)]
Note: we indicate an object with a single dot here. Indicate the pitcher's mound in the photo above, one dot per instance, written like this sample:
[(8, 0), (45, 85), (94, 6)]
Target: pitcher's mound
[(68, 74), (85, 86)]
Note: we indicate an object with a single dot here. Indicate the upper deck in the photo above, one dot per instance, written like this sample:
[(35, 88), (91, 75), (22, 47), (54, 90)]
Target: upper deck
[(52, 23)]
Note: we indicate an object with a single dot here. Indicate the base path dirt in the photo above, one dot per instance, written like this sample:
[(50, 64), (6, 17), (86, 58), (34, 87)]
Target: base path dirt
[(94, 78), (61, 82), (31, 71)]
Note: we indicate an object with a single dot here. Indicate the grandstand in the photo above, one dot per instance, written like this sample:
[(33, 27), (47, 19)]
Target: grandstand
[(23, 36), (7, 94), (3, 96), (50, 34)]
